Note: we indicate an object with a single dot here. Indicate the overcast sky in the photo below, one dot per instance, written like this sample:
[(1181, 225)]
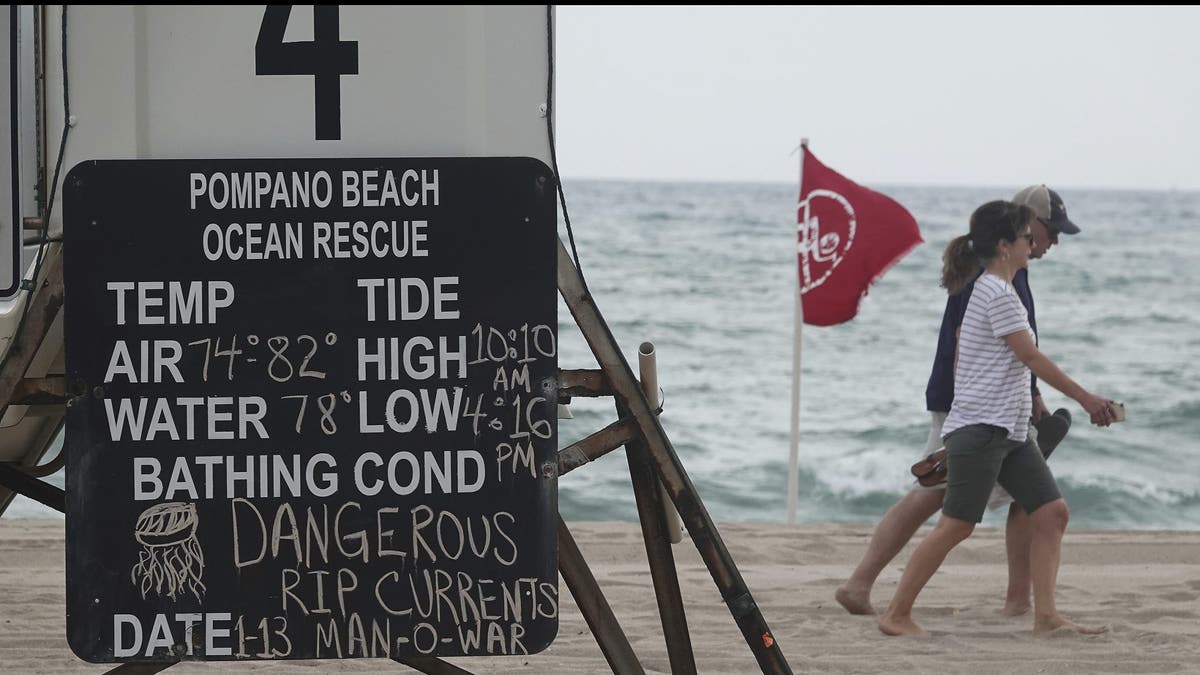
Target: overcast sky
[(994, 96)]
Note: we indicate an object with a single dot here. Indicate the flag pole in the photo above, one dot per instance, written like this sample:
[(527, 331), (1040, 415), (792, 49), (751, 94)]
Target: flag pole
[(794, 452)]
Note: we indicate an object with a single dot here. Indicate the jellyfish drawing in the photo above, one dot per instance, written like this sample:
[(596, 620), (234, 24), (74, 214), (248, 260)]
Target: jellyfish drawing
[(171, 561)]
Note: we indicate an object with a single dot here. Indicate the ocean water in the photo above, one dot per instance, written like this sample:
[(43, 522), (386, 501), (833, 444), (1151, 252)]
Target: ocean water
[(706, 273)]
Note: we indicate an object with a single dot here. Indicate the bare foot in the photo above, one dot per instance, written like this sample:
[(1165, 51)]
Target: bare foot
[(856, 601), (1012, 608), (899, 626), (1058, 622)]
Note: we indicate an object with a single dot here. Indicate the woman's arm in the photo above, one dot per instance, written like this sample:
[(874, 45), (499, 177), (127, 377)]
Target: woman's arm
[(1024, 349)]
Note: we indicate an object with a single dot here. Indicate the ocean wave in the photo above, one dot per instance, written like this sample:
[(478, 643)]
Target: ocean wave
[(1116, 504), (656, 216)]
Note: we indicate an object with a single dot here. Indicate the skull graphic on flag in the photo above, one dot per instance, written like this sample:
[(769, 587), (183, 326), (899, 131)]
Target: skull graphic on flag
[(826, 235)]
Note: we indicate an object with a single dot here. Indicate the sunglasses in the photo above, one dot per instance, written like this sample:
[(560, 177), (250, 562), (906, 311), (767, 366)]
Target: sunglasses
[(1051, 231)]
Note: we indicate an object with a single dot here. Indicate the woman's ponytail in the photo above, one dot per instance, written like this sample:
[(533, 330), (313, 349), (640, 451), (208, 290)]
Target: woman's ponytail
[(959, 264)]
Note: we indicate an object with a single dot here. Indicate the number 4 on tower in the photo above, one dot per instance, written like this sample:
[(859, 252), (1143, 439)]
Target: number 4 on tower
[(326, 58)]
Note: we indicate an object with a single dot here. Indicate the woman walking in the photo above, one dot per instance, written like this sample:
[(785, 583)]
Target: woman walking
[(987, 431)]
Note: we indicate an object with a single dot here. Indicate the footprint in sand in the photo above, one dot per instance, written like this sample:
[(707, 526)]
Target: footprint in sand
[(1124, 601), (1065, 633), (1179, 596), (1152, 615)]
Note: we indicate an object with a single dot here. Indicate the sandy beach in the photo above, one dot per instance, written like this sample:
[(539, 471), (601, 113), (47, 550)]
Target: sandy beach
[(1145, 586)]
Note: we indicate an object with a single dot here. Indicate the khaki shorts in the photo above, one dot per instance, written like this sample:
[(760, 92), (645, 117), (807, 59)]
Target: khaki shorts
[(979, 456), (999, 496)]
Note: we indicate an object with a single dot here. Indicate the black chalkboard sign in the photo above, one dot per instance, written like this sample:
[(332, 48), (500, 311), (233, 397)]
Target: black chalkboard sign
[(314, 411)]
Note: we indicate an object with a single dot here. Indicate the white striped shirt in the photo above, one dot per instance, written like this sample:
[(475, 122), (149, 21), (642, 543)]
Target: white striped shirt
[(991, 386)]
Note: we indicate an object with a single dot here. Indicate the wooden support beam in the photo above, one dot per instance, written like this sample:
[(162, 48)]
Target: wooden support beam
[(651, 513), (39, 391), (20, 482), (598, 444), (583, 383)]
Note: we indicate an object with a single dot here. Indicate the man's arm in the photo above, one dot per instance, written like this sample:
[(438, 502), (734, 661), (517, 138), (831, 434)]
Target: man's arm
[(1025, 293), (1039, 408)]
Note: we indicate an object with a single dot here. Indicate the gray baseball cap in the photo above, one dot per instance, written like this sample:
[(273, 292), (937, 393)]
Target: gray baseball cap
[(1048, 207)]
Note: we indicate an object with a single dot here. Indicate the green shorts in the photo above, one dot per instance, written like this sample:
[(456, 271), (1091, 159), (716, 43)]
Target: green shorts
[(979, 456)]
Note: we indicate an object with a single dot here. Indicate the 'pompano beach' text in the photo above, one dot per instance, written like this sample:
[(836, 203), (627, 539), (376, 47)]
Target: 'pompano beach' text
[(319, 239)]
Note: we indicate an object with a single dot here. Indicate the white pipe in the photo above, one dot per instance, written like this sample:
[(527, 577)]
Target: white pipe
[(648, 373), (793, 484)]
